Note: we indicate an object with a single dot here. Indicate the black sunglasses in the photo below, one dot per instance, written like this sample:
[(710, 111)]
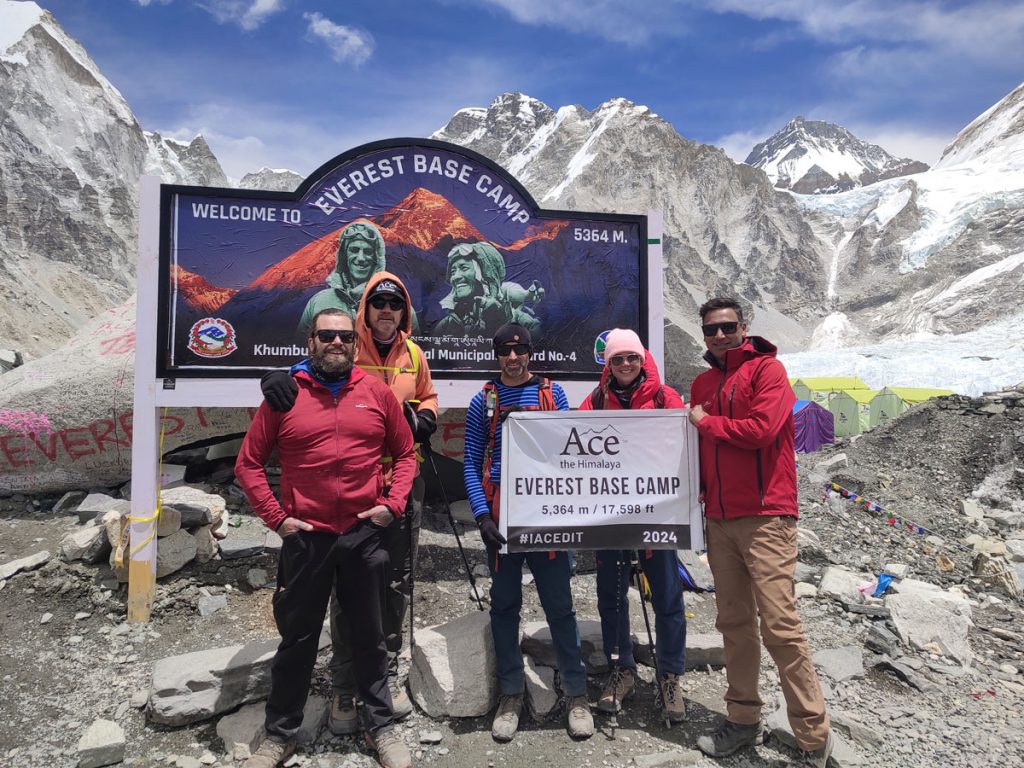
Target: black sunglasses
[(632, 359), (379, 302), (327, 336), (507, 349), (712, 329)]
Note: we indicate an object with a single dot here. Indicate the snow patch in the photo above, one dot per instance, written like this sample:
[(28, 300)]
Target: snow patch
[(15, 20), (583, 157), (979, 276), (983, 360)]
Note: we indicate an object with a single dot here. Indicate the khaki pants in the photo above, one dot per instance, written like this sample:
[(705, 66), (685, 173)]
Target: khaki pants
[(753, 560)]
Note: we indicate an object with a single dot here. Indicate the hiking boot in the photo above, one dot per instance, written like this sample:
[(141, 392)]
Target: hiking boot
[(619, 687), (272, 753), (506, 718), (581, 722), (343, 720), (818, 758), (729, 737), (672, 697), (391, 750), (401, 706)]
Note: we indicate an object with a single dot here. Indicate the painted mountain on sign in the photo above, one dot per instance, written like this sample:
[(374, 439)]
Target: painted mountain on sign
[(418, 233), (199, 294)]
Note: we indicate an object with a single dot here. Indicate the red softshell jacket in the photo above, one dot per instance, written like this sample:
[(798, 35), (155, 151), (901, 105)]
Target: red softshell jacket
[(747, 461), (330, 450), (645, 394)]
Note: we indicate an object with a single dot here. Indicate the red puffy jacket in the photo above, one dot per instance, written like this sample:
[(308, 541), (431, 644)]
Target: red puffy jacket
[(645, 395), (747, 459), (331, 450)]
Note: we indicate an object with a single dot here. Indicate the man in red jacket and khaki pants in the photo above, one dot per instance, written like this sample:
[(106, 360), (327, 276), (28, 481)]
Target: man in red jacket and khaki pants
[(330, 513), (743, 410)]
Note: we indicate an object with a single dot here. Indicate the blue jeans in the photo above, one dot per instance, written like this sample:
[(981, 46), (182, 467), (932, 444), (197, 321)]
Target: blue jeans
[(551, 575), (666, 599)]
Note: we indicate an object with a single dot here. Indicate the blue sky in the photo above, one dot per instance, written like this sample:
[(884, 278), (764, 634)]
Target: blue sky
[(292, 83)]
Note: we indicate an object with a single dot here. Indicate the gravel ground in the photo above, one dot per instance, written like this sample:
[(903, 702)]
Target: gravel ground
[(70, 658)]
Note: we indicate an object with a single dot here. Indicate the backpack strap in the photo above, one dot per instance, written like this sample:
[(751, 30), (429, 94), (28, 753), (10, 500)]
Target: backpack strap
[(659, 397)]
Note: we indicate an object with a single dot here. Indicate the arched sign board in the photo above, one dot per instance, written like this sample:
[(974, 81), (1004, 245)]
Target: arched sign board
[(225, 278), (243, 272)]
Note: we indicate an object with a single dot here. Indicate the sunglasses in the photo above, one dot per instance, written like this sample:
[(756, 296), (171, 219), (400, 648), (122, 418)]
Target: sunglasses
[(508, 349), (380, 302), (326, 336), (631, 359), (712, 329), (463, 249)]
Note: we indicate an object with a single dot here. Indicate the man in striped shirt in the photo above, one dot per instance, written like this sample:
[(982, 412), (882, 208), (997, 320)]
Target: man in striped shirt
[(517, 389)]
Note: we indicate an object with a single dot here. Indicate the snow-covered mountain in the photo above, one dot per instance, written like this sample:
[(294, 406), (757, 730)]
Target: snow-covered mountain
[(815, 157), (271, 179), (71, 153), (937, 252), (726, 229)]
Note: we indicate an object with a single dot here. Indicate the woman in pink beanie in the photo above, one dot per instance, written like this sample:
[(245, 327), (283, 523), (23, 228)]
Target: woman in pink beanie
[(630, 380)]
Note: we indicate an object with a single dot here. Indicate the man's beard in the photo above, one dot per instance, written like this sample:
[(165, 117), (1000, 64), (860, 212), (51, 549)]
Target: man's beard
[(330, 367)]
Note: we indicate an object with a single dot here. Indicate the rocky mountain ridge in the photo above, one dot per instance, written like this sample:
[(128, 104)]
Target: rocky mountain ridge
[(71, 153), (815, 157)]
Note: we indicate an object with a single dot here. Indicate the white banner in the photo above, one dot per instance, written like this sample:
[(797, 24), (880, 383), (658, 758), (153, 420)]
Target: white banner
[(600, 480)]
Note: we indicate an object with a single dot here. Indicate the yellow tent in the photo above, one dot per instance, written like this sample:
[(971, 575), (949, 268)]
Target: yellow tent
[(818, 388), (852, 411), (915, 395)]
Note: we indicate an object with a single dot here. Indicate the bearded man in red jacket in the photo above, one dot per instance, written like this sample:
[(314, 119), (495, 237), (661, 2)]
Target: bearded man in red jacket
[(743, 411), (330, 512)]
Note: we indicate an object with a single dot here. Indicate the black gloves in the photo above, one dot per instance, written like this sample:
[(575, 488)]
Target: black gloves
[(280, 390), (489, 532), (422, 423)]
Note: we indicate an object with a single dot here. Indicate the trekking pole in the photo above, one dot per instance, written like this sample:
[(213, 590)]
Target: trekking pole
[(451, 520), (412, 581), (640, 579), (613, 722)]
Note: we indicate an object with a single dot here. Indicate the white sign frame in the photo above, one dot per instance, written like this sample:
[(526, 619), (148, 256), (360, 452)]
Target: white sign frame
[(604, 494)]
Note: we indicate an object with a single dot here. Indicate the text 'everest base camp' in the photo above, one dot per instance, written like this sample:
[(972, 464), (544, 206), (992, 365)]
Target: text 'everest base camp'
[(909, 474)]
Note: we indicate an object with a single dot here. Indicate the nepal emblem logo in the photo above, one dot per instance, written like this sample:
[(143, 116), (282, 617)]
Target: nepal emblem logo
[(599, 345), (212, 337)]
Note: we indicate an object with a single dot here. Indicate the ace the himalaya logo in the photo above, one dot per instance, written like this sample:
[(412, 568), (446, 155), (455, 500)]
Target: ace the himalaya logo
[(212, 337)]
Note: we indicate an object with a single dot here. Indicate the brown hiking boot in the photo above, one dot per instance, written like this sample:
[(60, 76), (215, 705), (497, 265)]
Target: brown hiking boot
[(391, 750), (506, 717), (401, 706), (672, 697), (271, 753), (619, 687), (343, 720), (580, 721)]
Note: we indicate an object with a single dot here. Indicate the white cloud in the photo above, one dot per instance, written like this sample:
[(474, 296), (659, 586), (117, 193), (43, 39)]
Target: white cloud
[(144, 3), (247, 14), (246, 135), (632, 23), (905, 142), (988, 30), (347, 44), (737, 145)]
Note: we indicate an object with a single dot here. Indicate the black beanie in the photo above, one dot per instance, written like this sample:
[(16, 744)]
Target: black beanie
[(511, 333)]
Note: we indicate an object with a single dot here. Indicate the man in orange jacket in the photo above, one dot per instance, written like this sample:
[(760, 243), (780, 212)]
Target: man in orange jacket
[(387, 352)]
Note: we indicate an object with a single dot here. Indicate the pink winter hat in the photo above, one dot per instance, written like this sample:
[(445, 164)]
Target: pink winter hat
[(622, 341)]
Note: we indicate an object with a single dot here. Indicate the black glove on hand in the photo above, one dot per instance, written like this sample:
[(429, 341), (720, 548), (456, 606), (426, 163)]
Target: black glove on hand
[(426, 425), (422, 423), (280, 390), (489, 532)]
